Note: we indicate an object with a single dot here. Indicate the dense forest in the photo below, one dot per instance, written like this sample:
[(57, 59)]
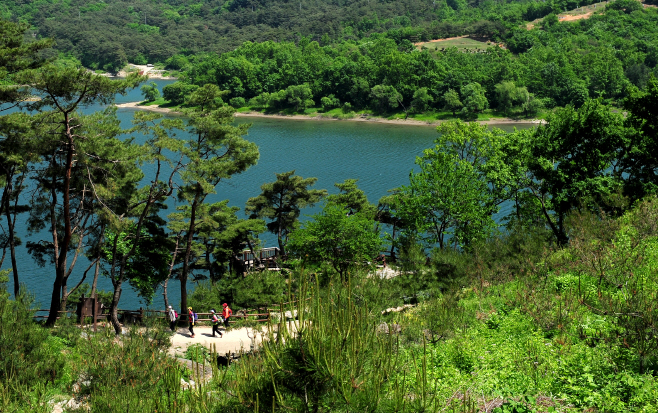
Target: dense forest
[(554, 64), (102, 34), (148, 31), (558, 64), (356, 56)]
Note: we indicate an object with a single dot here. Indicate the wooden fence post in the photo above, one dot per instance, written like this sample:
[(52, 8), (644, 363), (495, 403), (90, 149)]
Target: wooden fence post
[(94, 311), (81, 312)]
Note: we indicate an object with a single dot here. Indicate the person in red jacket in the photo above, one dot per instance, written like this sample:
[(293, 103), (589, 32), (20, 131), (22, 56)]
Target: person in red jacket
[(226, 313)]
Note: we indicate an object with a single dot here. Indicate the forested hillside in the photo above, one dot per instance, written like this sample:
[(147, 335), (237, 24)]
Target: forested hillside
[(553, 65), (106, 34)]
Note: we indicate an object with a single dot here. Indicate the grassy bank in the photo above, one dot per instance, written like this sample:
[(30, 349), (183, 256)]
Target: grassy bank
[(426, 118)]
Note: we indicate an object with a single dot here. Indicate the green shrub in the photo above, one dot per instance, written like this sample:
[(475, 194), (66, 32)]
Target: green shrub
[(29, 360), (257, 289), (347, 108), (177, 92), (261, 101), (329, 102), (198, 353), (132, 368), (237, 102), (335, 361)]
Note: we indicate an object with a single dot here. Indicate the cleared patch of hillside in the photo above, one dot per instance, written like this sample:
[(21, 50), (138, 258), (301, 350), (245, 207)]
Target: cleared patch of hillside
[(580, 13), (462, 43)]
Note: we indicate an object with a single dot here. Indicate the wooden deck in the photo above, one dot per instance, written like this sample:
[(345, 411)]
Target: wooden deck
[(264, 259)]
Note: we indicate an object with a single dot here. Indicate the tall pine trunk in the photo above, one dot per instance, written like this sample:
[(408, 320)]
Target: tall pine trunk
[(171, 271), (188, 251), (11, 223), (60, 269), (95, 282), (114, 309)]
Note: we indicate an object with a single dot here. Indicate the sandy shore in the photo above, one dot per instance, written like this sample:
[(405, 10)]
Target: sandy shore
[(357, 118), (375, 119), (154, 108), (149, 71)]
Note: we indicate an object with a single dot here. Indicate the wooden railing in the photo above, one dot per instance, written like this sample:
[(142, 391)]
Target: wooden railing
[(48, 311), (263, 313)]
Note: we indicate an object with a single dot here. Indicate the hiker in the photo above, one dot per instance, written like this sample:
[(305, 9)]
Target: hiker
[(226, 313), (191, 318), (215, 324), (173, 316)]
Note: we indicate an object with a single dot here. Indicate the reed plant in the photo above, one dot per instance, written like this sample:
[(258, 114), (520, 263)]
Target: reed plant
[(122, 373), (333, 357)]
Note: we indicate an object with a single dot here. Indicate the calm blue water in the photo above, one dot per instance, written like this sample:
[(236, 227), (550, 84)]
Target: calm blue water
[(379, 155)]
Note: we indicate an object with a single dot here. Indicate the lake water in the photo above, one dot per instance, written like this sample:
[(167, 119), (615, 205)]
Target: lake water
[(379, 155)]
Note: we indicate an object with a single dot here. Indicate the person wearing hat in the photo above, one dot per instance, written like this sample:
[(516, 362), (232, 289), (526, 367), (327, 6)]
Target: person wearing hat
[(215, 324), (190, 319), (226, 313), (173, 316)]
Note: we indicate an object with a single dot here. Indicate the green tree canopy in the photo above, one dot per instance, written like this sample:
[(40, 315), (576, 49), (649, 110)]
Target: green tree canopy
[(17, 55), (148, 263), (150, 92), (446, 201), (508, 95), (462, 182), (451, 101), (574, 159), (474, 99), (352, 197), (281, 203), (384, 98), (177, 92), (421, 100), (78, 153), (640, 158), (345, 240)]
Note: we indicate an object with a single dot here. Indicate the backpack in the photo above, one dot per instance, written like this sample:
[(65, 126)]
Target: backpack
[(176, 314), (196, 317)]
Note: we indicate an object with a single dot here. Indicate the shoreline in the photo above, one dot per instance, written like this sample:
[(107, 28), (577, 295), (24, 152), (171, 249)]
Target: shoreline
[(123, 74), (356, 118), (150, 72)]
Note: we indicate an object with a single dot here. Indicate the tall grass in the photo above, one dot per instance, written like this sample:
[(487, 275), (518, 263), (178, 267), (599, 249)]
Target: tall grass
[(335, 356), (30, 364)]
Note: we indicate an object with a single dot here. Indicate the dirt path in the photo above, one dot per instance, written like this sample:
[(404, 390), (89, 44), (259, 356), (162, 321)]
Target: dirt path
[(386, 272), (235, 341), (440, 40), (572, 17)]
